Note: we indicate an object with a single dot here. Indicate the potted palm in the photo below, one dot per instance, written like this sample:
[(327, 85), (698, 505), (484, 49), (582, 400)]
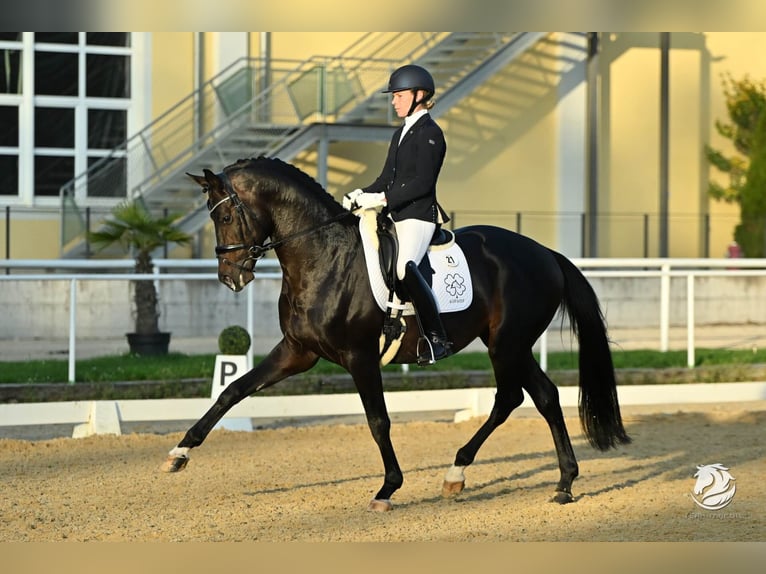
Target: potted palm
[(134, 229)]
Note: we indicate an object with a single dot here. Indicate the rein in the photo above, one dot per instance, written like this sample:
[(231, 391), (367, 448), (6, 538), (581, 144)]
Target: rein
[(255, 251)]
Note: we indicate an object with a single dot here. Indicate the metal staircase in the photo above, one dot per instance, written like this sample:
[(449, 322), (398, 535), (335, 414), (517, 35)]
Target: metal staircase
[(280, 108)]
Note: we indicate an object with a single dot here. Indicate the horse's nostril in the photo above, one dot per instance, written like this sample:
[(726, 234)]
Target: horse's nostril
[(228, 281)]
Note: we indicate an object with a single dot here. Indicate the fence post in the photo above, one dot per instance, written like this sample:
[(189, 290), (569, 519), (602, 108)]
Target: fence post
[(72, 329), (251, 322), (690, 320), (646, 235), (664, 307), (7, 236)]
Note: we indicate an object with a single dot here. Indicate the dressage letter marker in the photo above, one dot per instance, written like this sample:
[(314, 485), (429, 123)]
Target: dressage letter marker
[(228, 368)]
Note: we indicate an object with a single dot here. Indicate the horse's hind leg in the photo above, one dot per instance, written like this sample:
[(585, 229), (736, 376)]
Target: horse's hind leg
[(546, 398), (509, 396)]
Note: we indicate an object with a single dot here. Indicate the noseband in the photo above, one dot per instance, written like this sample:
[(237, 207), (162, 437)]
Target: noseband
[(255, 251)]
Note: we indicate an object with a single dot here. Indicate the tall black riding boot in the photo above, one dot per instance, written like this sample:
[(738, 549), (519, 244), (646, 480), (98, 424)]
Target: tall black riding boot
[(437, 346)]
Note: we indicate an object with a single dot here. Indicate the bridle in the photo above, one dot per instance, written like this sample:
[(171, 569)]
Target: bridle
[(254, 250)]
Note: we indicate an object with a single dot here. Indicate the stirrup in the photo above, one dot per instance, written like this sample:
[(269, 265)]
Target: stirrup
[(427, 356)]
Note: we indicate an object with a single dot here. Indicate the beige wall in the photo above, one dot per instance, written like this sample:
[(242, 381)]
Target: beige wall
[(503, 141), (630, 176), (302, 45), (33, 237), (172, 69)]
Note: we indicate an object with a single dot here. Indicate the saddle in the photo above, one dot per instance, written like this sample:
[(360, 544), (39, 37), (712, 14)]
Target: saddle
[(394, 326), (388, 249)]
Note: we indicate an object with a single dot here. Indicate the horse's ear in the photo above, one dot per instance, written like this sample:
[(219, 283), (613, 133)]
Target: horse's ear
[(199, 179), (209, 181)]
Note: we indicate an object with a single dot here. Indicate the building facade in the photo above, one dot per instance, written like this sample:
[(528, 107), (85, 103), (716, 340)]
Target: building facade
[(577, 142)]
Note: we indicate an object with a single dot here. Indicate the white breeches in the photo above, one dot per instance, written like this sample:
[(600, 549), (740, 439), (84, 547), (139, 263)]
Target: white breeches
[(414, 238)]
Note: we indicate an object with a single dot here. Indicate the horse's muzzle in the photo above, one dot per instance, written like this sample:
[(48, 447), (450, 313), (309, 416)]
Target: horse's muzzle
[(236, 283)]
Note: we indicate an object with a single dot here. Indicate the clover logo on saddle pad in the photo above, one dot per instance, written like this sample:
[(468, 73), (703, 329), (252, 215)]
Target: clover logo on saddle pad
[(455, 284), (714, 488)]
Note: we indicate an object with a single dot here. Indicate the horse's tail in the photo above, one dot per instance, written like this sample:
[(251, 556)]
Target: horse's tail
[(599, 408)]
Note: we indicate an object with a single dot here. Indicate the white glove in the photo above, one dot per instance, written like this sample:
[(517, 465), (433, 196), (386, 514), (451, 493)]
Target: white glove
[(349, 200), (371, 200)]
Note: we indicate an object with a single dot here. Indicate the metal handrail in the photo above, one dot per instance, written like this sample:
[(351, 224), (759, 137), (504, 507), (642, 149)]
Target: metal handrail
[(200, 124)]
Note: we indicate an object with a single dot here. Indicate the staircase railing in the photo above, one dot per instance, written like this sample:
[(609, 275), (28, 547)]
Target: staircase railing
[(254, 104), (277, 91)]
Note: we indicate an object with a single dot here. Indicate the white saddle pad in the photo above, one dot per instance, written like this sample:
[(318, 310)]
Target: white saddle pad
[(451, 282)]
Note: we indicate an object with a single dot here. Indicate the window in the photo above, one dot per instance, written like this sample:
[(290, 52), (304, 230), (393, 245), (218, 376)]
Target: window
[(107, 129), (10, 71), (9, 120), (56, 74), (80, 109), (54, 127), (9, 175), (108, 39), (51, 172), (56, 37), (108, 76)]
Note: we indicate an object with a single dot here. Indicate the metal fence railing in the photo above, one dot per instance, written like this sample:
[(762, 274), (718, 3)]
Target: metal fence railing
[(661, 269)]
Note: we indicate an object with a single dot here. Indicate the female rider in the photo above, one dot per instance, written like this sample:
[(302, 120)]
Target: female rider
[(407, 188)]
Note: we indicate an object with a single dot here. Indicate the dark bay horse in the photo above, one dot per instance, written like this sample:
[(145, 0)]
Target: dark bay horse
[(326, 309)]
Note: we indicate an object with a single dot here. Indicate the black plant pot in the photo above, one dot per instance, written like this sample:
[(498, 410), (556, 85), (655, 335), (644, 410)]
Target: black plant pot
[(151, 344)]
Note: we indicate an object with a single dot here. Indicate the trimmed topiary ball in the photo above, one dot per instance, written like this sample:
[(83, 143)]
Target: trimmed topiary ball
[(234, 340)]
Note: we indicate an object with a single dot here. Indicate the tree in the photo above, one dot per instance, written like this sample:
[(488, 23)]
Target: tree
[(745, 103), (750, 232), (138, 232)]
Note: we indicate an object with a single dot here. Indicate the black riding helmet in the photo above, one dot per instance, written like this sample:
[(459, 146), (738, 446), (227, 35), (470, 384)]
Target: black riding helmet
[(412, 77)]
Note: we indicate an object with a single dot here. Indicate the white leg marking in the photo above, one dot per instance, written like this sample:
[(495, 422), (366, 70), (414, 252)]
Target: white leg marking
[(180, 451), (455, 474)]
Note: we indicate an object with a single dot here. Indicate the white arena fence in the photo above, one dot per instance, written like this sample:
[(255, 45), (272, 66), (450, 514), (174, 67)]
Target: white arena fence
[(105, 417), (751, 306), (98, 417)]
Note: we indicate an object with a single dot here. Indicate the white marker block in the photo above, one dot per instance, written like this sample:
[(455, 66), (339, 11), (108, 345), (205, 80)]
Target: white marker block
[(228, 368)]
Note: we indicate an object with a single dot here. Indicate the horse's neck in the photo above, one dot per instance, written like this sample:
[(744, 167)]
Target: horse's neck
[(303, 234)]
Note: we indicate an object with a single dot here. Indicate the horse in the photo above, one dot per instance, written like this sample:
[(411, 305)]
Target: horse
[(326, 310)]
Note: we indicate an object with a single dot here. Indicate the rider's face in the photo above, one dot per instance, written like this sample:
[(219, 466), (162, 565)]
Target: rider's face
[(403, 100)]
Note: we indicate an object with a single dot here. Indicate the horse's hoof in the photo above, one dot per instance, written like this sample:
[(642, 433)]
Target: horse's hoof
[(174, 463), (563, 497), (380, 505), (450, 489)]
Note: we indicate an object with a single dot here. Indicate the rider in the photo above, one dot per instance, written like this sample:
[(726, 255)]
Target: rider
[(407, 189)]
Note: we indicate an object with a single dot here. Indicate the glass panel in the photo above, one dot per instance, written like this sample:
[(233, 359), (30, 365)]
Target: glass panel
[(108, 179), (235, 91), (304, 92), (56, 37), (10, 36), (9, 120), (9, 175), (56, 74), (54, 127), (108, 38), (72, 221), (108, 76), (51, 173), (107, 129), (10, 71)]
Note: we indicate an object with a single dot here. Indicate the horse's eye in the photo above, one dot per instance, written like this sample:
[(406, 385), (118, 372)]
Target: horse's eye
[(226, 219)]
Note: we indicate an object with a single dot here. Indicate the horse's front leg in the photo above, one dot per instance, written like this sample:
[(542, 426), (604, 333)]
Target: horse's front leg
[(369, 384), (282, 362)]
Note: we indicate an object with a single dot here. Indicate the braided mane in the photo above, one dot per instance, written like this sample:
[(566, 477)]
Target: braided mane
[(275, 171)]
